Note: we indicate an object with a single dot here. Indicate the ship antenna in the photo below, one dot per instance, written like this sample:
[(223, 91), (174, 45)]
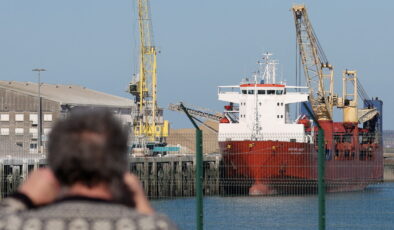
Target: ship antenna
[(269, 73)]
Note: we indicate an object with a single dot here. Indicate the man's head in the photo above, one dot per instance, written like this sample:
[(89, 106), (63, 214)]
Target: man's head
[(88, 147)]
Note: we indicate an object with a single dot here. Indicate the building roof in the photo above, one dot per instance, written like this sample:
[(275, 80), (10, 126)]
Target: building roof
[(69, 94)]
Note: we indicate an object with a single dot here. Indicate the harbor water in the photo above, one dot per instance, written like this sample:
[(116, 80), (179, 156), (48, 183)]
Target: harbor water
[(371, 208)]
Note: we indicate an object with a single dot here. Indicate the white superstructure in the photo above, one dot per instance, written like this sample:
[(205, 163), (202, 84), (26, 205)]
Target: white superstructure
[(259, 109)]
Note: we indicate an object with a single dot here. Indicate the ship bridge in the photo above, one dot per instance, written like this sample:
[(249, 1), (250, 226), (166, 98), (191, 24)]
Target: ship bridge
[(260, 108)]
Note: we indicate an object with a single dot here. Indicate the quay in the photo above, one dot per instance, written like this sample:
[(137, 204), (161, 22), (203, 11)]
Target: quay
[(388, 167), (162, 177), (173, 176)]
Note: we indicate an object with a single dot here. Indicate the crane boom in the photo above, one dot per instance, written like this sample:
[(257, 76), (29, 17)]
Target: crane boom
[(196, 112), (148, 121), (318, 72)]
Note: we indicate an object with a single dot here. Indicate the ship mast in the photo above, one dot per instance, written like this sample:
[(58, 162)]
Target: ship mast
[(267, 73)]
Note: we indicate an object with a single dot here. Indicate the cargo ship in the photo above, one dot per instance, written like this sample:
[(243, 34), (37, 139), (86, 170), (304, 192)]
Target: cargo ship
[(265, 152)]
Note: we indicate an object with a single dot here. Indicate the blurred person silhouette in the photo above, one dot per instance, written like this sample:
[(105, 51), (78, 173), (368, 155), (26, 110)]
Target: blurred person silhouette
[(86, 185)]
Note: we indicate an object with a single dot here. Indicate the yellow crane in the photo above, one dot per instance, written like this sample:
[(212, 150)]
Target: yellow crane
[(318, 71), (319, 75), (148, 121)]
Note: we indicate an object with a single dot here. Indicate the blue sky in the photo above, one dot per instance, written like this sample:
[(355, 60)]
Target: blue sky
[(203, 44)]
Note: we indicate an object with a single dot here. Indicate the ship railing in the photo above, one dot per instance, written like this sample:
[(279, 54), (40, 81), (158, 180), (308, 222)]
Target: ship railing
[(256, 136), (232, 89)]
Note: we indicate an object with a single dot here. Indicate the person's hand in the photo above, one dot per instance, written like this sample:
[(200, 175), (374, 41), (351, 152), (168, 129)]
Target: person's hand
[(141, 201), (41, 187)]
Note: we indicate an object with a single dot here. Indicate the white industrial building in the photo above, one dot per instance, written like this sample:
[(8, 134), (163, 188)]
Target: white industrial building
[(19, 106)]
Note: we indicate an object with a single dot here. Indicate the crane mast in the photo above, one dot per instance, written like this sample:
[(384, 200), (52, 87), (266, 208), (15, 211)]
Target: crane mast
[(148, 120), (318, 72)]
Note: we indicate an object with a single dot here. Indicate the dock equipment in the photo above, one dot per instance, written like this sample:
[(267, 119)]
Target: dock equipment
[(148, 123)]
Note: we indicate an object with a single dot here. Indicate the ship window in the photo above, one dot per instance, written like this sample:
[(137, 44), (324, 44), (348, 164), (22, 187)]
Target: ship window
[(250, 91), (279, 92), (281, 103), (270, 91), (278, 116), (243, 91), (284, 92), (261, 91), (281, 116), (277, 104)]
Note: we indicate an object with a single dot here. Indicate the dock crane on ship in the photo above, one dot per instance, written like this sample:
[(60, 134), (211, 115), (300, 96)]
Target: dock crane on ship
[(319, 74), (149, 127), (318, 71)]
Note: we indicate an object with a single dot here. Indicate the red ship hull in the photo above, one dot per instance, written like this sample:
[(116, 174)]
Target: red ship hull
[(275, 167)]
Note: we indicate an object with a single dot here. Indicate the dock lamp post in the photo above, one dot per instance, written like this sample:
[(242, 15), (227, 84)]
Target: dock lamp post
[(39, 131)]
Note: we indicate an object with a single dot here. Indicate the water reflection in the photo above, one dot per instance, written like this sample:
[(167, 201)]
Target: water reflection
[(369, 209)]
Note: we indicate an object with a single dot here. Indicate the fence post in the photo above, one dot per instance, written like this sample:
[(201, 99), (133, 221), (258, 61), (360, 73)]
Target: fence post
[(321, 182), (199, 173), (321, 160), (199, 178)]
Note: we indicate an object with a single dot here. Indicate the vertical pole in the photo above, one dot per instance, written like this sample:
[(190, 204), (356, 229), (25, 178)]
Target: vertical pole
[(321, 183), (39, 123), (39, 113), (198, 174), (199, 178)]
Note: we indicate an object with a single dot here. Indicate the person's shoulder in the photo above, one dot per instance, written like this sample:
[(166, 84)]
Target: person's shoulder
[(78, 212), (156, 221)]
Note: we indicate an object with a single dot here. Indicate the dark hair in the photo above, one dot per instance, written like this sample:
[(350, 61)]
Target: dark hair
[(89, 146)]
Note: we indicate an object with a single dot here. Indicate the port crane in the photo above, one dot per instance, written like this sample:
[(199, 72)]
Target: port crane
[(318, 71), (148, 123), (319, 75)]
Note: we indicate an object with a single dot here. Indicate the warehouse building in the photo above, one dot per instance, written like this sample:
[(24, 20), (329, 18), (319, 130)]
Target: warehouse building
[(21, 115)]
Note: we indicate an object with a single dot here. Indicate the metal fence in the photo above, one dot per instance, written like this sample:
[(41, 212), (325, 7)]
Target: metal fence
[(261, 184)]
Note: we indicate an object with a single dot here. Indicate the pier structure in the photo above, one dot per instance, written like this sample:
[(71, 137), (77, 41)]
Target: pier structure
[(162, 177)]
